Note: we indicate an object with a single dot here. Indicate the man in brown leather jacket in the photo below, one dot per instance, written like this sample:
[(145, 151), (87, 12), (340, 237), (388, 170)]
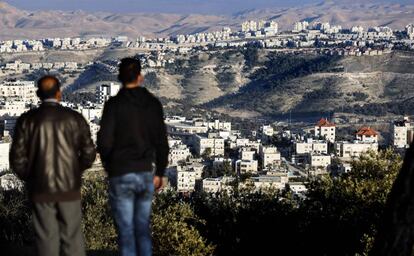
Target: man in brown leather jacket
[(51, 148)]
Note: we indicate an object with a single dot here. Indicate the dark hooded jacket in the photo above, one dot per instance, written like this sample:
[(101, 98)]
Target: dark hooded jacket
[(133, 134)]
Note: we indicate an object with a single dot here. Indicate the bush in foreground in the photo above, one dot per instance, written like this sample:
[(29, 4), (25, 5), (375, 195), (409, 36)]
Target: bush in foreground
[(340, 216)]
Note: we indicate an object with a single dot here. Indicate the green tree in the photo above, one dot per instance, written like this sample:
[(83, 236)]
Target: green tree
[(350, 205), (175, 232)]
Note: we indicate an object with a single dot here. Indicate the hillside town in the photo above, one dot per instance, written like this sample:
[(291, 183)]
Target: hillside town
[(316, 37), (210, 155)]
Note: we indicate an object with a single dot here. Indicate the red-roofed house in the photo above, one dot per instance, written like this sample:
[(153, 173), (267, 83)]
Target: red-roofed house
[(325, 129), (367, 134)]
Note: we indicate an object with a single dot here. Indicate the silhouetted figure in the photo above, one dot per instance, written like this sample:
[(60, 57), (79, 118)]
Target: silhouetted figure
[(51, 148), (396, 232), (131, 139)]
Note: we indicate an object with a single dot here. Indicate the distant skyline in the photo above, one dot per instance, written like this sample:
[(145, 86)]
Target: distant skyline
[(166, 6)]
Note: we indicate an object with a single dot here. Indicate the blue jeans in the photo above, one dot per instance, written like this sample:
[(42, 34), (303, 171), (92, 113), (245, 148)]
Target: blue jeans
[(130, 197)]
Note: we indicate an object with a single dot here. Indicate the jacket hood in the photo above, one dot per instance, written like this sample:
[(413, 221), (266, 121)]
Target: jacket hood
[(139, 96)]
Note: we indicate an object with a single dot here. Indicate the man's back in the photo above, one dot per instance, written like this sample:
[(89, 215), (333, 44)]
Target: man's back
[(132, 138), (51, 148), (133, 133)]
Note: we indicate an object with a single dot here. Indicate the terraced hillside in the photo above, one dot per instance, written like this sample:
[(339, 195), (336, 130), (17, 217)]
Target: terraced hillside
[(255, 82)]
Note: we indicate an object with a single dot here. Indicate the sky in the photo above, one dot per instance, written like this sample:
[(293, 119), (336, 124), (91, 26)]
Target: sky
[(166, 6)]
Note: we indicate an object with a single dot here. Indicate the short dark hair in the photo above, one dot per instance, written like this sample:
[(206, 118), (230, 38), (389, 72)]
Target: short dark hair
[(48, 91), (129, 70)]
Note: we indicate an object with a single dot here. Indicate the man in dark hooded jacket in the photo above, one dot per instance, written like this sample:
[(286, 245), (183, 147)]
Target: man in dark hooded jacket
[(131, 140)]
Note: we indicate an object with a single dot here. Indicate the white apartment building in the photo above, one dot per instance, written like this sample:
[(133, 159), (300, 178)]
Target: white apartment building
[(246, 166), (217, 125), (4, 156), (270, 156), (357, 29), (186, 179), (311, 146), (185, 127), (13, 108), (22, 90), (94, 127), (247, 154), (320, 161), (300, 26), (267, 130), (241, 142), (410, 31), (298, 187), (214, 185), (402, 132), (367, 134), (178, 152), (349, 150), (250, 26), (9, 125), (325, 129), (105, 91), (271, 28), (269, 181), (91, 113), (214, 144)]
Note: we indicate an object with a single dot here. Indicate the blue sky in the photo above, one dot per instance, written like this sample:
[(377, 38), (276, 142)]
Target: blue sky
[(169, 6)]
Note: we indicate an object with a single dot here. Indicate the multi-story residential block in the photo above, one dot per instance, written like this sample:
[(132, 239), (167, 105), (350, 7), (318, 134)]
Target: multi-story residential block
[(187, 175), (311, 146), (367, 134), (8, 126), (264, 182), (298, 187), (218, 125), (357, 29), (249, 26), (91, 113), (178, 152), (185, 127), (270, 28), (320, 161), (4, 156), (270, 156), (21, 90), (300, 26), (13, 108), (247, 153), (349, 150), (214, 185), (410, 31), (325, 129), (106, 91), (267, 130), (246, 166), (94, 127), (402, 133), (212, 144), (186, 179)]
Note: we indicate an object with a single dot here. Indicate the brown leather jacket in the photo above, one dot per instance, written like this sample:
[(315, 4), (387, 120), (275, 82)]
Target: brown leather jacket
[(51, 148)]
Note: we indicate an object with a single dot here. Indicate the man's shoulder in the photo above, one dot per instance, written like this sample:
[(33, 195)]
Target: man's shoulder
[(152, 98), (67, 112), (113, 101)]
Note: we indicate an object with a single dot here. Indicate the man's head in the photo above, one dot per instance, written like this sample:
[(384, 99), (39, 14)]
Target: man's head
[(48, 87), (130, 73)]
